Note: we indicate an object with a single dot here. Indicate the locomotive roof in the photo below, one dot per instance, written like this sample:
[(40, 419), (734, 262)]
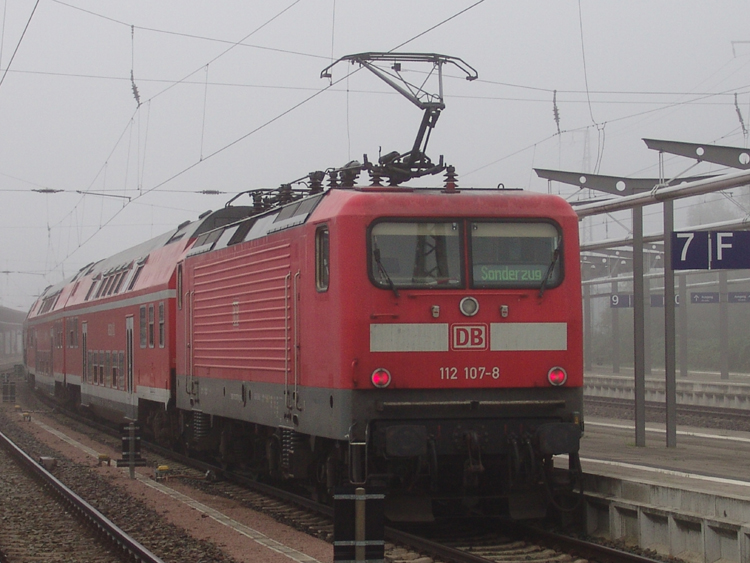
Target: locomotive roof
[(233, 224), (376, 200)]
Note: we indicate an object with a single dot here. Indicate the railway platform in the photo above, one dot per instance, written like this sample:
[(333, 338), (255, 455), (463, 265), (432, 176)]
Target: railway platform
[(691, 502)]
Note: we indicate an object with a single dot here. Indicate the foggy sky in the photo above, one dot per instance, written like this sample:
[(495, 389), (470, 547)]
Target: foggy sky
[(219, 115)]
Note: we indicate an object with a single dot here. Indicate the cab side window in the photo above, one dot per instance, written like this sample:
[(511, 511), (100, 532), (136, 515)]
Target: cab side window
[(322, 259)]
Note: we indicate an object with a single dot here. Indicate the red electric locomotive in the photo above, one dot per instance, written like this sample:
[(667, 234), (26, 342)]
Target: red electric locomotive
[(425, 340)]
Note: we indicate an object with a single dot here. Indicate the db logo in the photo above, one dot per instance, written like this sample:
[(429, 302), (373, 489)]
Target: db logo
[(469, 337)]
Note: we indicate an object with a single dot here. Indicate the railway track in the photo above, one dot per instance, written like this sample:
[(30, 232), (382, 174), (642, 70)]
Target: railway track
[(37, 514), (472, 542), (452, 542), (688, 415)]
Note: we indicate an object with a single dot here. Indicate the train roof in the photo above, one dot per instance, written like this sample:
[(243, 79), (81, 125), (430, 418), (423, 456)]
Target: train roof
[(129, 266), (131, 270), (377, 200)]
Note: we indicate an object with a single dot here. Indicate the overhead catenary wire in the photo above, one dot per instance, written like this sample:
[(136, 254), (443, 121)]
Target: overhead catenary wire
[(228, 49), (2, 31), (141, 193), (599, 127), (189, 35), (729, 94), (18, 45), (203, 121), (255, 130), (350, 90)]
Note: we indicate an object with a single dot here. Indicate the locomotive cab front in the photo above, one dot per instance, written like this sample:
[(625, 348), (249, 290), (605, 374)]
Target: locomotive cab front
[(469, 344)]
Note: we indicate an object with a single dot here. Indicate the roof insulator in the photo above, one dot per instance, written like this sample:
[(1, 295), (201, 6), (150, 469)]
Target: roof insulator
[(316, 181), (450, 180)]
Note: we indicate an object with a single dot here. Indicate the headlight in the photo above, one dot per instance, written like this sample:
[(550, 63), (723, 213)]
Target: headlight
[(381, 378), (469, 306), (557, 376)]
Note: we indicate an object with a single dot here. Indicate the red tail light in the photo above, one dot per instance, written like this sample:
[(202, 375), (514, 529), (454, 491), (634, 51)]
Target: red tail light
[(557, 376), (381, 378)]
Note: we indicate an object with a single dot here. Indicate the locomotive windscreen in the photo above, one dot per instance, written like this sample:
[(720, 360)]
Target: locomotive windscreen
[(503, 254), (514, 254), (416, 254)]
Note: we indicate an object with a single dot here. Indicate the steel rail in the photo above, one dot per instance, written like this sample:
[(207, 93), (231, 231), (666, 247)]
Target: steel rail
[(682, 408), (595, 551), (87, 512), (584, 549)]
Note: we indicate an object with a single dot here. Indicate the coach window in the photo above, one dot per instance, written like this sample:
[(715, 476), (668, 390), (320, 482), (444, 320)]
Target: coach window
[(72, 332), (91, 289), (137, 273), (418, 255), (150, 326), (143, 326), (100, 366), (516, 254), (121, 279), (161, 325), (121, 370), (322, 259), (179, 287)]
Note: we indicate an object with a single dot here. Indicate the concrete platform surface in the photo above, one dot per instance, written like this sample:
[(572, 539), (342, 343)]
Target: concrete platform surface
[(690, 502)]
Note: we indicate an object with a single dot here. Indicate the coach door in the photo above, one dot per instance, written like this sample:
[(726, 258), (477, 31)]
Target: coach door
[(85, 352), (52, 355)]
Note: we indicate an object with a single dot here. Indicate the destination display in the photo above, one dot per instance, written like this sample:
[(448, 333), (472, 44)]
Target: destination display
[(509, 273)]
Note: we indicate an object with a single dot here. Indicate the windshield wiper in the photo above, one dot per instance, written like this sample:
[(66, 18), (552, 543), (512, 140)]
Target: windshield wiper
[(555, 257), (383, 272)]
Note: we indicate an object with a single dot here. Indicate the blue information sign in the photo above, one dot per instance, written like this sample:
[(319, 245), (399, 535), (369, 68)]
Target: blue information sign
[(704, 297), (658, 300), (711, 250), (626, 300), (739, 296), (620, 300)]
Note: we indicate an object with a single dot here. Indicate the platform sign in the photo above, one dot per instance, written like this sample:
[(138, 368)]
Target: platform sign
[(711, 250), (626, 300), (739, 297), (702, 297), (658, 301), (620, 300)]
